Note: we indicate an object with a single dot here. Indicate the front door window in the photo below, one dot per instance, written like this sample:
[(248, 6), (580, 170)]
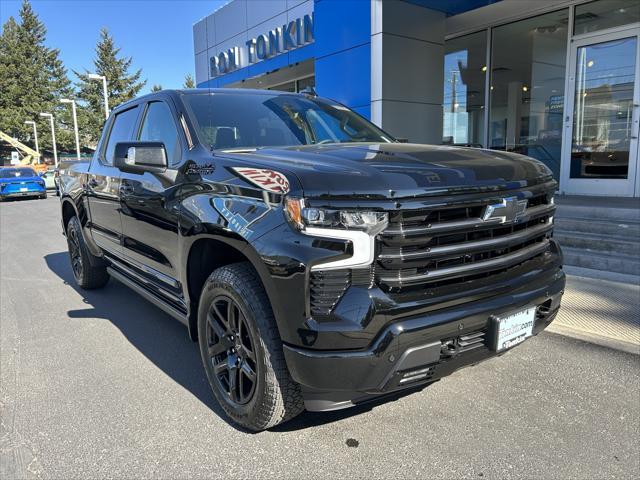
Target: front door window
[(603, 113)]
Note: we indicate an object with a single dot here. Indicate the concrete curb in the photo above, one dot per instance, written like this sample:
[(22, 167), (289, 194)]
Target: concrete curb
[(601, 275), (608, 342), (631, 213)]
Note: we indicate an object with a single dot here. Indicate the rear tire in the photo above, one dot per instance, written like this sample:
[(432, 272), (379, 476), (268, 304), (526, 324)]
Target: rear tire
[(88, 275), (43, 196), (242, 352)]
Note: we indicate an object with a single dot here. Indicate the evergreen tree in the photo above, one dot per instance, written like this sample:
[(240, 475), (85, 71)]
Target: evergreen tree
[(61, 87), (189, 82), (121, 85), (32, 80), (156, 87)]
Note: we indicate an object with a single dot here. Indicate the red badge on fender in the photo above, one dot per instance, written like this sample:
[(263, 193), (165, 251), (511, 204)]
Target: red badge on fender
[(266, 179)]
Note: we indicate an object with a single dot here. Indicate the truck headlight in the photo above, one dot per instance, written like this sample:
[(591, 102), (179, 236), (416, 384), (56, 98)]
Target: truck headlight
[(360, 227), (304, 217)]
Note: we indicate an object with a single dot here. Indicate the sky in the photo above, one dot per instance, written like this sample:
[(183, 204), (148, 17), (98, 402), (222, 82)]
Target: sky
[(156, 33)]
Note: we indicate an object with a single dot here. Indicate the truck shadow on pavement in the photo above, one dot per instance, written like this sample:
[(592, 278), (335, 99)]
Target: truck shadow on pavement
[(165, 342)]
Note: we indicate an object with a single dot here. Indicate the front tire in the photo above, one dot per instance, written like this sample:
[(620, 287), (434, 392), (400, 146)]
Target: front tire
[(88, 275), (242, 352)]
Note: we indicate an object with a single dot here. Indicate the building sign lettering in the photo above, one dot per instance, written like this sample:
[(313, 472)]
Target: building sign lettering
[(295, 34)]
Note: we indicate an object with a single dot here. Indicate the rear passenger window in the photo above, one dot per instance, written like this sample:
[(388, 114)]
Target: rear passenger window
[(158, 126), (121, 131)]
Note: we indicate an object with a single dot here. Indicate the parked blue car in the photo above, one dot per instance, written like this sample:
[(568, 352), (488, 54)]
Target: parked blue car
[(21, 182)]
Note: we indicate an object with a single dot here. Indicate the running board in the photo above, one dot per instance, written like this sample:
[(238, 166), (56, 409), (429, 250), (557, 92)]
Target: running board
[(175, 313)]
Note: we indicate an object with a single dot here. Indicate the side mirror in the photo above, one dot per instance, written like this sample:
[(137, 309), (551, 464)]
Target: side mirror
[(140, 157)]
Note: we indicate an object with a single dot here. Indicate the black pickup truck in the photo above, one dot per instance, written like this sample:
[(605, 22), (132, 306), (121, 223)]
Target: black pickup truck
[(318, 262)]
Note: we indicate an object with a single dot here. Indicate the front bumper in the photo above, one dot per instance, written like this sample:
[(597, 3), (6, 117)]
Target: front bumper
[(416, 350)]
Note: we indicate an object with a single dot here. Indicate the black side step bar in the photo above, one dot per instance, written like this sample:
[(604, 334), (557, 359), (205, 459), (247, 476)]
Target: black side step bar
[(143, 292)]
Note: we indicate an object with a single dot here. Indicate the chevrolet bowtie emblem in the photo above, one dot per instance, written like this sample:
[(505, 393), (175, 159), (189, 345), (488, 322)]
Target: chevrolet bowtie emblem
[(510, 210)]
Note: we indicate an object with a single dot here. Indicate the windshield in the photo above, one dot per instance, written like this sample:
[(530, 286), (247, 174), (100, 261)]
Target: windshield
[(252, 120), (16, 172)]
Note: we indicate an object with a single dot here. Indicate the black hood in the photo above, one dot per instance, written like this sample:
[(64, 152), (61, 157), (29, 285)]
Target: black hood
[(397, 170)]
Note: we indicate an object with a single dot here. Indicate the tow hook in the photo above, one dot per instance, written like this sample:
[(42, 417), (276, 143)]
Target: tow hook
[(449, 348)]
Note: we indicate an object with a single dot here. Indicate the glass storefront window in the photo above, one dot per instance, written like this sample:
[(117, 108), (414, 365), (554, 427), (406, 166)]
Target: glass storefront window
[(527, 87), (306, 82), (295, 85), (284, 87), (602, 14), (603, 109), (464, 89)]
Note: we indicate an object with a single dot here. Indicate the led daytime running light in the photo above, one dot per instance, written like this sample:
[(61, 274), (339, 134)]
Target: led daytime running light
[(304, 217)]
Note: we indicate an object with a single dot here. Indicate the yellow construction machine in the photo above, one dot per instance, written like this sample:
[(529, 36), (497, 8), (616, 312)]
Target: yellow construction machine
[(30, 157)]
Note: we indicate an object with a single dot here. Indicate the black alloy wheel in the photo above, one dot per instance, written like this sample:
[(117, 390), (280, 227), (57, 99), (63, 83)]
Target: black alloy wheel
[(242, 351), (231, 351), (75, 254), (88, 270)]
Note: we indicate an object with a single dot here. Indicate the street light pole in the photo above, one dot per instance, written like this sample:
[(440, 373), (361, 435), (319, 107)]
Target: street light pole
[(75, 123), (35, 136), (95, 76), (53, 136)]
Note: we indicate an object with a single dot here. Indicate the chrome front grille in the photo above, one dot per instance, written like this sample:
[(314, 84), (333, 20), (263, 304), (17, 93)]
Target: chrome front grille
[(428, 246)]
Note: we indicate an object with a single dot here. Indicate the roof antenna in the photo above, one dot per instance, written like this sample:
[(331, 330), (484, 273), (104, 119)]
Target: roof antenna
[(309, 90)]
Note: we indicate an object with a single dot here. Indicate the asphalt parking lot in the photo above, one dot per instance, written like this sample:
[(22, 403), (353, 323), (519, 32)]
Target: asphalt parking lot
[(103, 384)]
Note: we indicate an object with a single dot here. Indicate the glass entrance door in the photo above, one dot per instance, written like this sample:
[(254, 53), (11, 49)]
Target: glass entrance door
[(600, 154)]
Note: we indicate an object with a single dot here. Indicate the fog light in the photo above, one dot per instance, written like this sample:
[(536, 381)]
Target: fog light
[(415, 375)]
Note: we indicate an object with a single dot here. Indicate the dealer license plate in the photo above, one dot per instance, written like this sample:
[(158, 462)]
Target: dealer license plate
[(514, 328), (24, 189)]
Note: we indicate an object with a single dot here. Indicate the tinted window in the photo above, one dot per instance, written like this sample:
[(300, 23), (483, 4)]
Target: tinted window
[(306, 82), (16, 172), (464, 79), (600, 15), (158, 126), (243, 120), (527, 87), (121, 131)]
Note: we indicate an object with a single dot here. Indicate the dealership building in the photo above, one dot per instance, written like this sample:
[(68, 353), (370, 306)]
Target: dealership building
[(553, 79)]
